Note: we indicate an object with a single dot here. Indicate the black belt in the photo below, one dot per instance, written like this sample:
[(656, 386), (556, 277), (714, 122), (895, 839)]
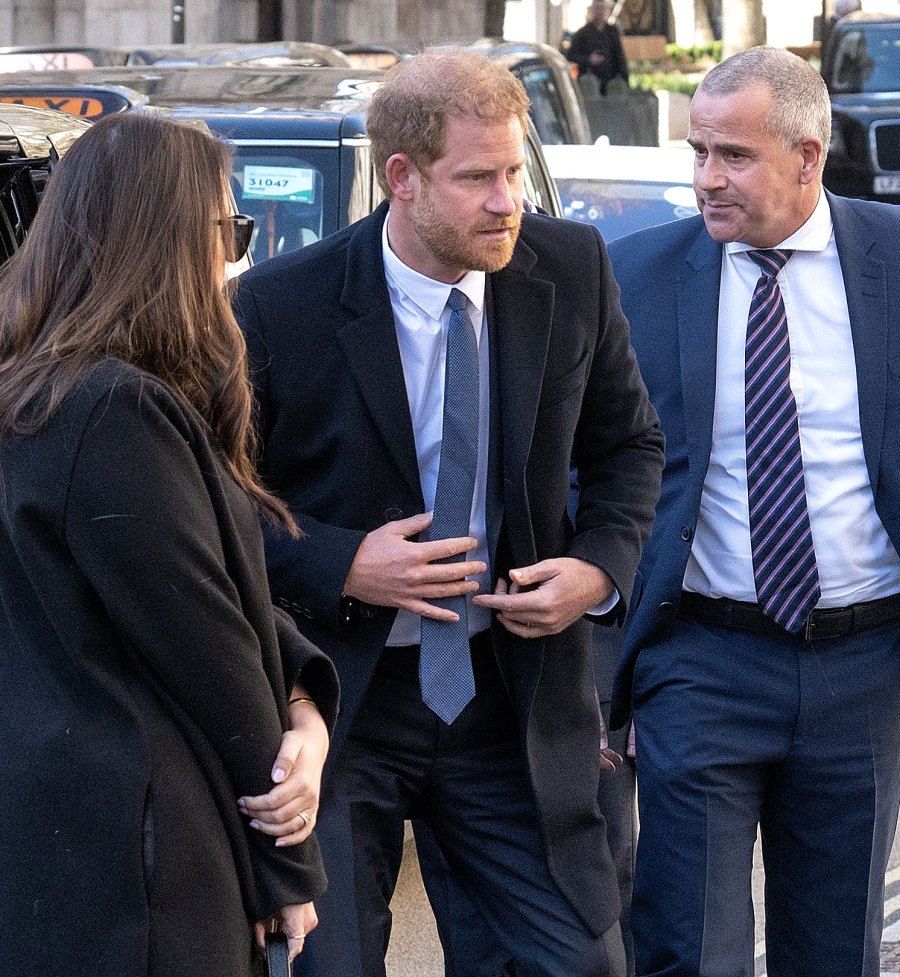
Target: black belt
[(827, 622)]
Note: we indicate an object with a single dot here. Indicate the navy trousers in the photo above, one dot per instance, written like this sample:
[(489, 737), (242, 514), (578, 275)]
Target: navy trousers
[(802, 738), (470, 947), (469, 783)]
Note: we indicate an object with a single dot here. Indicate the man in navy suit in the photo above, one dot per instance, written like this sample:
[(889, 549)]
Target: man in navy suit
[(762, 658), (348, 339)]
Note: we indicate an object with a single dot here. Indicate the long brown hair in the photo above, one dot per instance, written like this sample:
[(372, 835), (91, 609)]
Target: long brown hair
[(123, 261)]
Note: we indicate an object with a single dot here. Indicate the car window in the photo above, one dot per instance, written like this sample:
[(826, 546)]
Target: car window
[(547, 109), (537, 184), (868, 61), (287, 190), (617, 208)]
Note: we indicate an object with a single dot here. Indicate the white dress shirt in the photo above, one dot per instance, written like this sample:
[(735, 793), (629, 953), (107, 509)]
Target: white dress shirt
[(421, 318), (855, 557)]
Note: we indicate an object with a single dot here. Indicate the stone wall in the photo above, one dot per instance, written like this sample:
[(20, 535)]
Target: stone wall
[(396, 23)]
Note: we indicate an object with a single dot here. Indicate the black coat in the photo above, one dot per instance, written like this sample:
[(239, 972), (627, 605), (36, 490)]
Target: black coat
[(339, 448), (144, 680)]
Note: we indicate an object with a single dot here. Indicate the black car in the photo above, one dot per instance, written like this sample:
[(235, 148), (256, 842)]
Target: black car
[(302, 168), (272, 54), (31, 143), (557, 108), (861, 68)]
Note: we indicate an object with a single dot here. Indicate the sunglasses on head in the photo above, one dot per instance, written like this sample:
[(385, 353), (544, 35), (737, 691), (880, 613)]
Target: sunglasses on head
[(238, 229)]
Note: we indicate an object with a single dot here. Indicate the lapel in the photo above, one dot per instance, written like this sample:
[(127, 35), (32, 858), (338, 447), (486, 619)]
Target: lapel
[(698, 316), (520, 328), (865, 282), (369, 342)]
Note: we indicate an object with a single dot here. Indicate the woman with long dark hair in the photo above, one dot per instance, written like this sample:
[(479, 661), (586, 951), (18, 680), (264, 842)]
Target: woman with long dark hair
[(162, 729)]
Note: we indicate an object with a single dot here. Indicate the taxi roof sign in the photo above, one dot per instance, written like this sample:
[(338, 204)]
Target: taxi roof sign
[(86, 102)]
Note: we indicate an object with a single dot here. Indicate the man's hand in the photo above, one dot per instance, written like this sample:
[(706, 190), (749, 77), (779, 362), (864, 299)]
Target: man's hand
[(390, 571), (609, 759), (547, 597)]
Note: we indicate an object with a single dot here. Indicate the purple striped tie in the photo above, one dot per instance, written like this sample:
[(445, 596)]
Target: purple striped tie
[(784, 561)]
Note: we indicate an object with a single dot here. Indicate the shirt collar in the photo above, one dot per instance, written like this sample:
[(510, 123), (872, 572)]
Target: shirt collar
[(814, 235), (428, 295)]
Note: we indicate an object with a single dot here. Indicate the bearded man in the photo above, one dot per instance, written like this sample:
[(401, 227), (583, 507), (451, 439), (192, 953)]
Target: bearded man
[(424, 379)]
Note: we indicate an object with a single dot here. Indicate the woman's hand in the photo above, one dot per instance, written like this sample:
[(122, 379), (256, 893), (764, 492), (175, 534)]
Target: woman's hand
[(294, 921), (288, 811)]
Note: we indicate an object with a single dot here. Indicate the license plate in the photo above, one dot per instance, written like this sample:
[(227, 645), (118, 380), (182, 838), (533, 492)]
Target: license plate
[(887, 184)]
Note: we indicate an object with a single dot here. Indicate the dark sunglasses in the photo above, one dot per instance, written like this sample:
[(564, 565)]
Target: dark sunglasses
[(236, 237)]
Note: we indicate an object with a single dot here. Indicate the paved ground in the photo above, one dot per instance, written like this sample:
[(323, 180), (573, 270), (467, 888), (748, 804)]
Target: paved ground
[(415, 950)]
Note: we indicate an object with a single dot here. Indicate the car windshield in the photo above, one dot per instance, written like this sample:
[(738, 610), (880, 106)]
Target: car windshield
[(868, 60), (617, 208), (291, 191)]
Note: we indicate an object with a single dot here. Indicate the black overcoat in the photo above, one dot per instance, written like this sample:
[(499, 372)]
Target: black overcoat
[(339, 448), (143, 679)]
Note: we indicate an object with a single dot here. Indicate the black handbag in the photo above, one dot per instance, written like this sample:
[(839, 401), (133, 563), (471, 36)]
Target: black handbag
[(277, 959)]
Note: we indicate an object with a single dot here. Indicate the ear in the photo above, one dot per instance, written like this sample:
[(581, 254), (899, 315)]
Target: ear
[(402, 176), (811, 152)]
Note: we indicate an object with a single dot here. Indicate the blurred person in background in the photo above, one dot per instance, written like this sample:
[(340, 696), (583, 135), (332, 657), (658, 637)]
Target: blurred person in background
[(597, 48), (151, 695)]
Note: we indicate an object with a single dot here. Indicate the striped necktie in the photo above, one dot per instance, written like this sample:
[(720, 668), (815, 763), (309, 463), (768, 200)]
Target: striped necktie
[(784, 561), (445, 660)]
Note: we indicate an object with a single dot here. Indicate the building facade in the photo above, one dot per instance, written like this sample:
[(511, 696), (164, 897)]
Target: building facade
[(395, 23)]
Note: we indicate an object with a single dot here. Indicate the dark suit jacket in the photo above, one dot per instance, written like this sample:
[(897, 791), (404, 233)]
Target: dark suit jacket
[(339, 448), (670, 291), (144, 680)]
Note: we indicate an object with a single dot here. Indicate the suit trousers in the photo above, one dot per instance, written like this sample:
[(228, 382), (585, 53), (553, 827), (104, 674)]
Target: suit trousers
[(802, 738), (469, 783), (470, 947)]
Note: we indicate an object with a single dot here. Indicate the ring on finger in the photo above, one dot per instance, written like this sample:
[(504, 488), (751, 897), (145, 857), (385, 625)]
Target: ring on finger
[(299, 936), (305, 818)]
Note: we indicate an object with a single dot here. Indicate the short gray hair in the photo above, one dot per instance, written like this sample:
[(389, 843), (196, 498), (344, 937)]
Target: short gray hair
[(800, 104)]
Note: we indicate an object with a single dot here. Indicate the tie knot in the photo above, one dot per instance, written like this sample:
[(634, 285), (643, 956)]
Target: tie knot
[(457, 300), (771, 260)]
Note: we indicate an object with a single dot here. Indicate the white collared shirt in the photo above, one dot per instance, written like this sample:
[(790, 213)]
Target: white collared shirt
[(421, 318), (855, 557)]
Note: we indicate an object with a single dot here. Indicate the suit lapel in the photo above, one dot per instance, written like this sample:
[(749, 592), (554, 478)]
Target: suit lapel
[(865, 283), (520, 336), (369, 342), (698, 315)]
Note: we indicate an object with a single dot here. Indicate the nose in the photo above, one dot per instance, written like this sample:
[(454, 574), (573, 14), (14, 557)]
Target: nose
[(506, 197), (709, 174)]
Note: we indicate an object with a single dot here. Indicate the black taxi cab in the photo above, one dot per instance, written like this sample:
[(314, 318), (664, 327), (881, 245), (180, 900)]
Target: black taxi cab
[(31, 143), (302, 163), (861, 68)]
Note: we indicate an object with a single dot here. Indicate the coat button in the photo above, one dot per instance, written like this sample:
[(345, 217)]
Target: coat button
[(667, 610), (686, 533), (392, 513)]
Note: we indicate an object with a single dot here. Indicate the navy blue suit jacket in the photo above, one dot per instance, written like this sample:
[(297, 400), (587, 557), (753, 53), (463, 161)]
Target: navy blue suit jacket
[(669, 276), (338, 446)]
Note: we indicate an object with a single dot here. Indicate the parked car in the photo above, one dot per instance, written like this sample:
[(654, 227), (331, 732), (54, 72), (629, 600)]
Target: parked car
[(557, 108), (302, 169), (621, 189), (375, 56), (272, 54), (861, 68), (31, 143), (54, 58)]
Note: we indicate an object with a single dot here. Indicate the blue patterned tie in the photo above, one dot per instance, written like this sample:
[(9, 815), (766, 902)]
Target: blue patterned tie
[(784, 561), (445, 661)]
